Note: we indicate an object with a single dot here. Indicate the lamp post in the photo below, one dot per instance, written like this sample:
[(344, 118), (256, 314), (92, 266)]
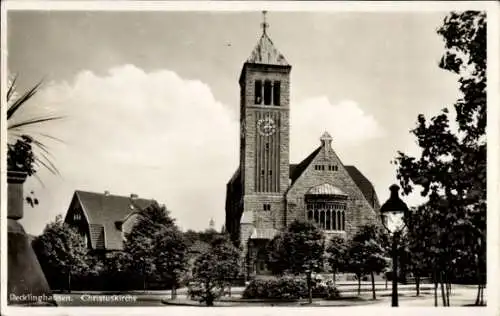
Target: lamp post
[(394, 214)]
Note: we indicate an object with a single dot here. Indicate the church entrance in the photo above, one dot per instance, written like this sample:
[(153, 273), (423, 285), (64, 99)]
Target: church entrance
[(257, 258)]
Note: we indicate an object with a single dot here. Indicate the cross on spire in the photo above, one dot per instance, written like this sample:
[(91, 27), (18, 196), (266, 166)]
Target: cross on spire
[(264, 23)]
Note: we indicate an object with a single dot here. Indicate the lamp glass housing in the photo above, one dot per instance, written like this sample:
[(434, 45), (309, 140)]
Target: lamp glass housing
[(394, 221)]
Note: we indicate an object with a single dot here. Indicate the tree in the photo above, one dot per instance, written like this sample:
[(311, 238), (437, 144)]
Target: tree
[(155, 246), (299, 249), (206, 236), (336, 255), (451, 170), (212, 269), (369, 251), (418, 244), (171, 255), (62, 252)]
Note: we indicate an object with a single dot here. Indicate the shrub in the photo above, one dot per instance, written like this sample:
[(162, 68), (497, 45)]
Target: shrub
[(289, 288), (332, 292), (283, 288)]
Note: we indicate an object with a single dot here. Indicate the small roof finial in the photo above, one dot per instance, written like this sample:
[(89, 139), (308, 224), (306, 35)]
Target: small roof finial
[(264, 23), (326, 139)]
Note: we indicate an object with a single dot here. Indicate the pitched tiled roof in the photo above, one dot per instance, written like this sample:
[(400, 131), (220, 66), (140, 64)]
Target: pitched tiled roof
[(103, 211), (266, 53), (364, 185), (296, 170)]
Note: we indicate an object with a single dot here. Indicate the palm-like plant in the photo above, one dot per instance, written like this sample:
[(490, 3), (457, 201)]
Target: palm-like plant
[(21, 155)]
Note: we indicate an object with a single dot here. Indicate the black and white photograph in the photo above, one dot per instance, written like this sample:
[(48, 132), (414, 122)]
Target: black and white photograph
[(267, 155)]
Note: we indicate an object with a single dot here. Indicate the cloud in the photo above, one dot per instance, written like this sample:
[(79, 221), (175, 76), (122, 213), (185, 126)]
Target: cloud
[(346, 122), (164, 137)]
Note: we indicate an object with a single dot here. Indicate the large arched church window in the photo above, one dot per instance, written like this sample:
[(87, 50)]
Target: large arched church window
[(326, 206)]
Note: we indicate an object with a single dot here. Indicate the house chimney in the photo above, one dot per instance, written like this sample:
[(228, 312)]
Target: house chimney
[(106, 193)]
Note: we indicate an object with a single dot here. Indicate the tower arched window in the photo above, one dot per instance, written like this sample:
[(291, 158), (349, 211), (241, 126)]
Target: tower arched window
[(258, 91), (267, 92), (276, 93)]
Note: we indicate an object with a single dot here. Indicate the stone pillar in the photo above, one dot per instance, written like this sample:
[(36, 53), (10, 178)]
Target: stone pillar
[(26, 283)]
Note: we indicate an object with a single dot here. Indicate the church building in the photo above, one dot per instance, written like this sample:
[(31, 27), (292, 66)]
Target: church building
[(267, 192)]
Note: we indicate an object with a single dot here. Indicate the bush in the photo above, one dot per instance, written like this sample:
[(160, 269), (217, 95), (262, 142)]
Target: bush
[(332, 292), (283, 288), (195, 291), (289, 288)]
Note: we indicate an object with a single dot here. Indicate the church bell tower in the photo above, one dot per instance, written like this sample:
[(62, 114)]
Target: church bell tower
[(265, 132)]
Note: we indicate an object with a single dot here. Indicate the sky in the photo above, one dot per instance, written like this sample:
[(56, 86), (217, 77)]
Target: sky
[(151, 99)]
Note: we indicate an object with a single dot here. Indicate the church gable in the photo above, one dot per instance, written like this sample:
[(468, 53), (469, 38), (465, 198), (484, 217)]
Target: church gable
[(325, 172)]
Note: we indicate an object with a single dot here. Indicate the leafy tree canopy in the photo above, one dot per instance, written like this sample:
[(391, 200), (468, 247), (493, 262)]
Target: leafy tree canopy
[(213, 269), (298, 249), (61, 250)]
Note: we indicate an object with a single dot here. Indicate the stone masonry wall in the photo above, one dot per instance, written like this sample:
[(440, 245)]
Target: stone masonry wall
[(358, 213)]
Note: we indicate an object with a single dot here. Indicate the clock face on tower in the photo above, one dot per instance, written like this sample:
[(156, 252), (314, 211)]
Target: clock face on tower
[(266, 126)]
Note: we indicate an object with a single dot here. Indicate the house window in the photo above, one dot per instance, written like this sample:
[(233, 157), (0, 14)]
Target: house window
[(276, 92), (267, 92), (270, 172), (258, 91), (267, 207), (77, 217), (262, 172), (267, 146)]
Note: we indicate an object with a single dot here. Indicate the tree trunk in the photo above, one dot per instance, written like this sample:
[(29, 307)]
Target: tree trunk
[(69, 281), (435, 289), (417, 283), (482, 294), (443, 295), (374, 295), (359, 284), (334, 278), (229, 289), (478, 294), (309, 287), (209, 298), (448, 290)]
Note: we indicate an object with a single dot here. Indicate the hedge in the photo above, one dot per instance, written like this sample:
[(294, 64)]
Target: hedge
[(289, 288)]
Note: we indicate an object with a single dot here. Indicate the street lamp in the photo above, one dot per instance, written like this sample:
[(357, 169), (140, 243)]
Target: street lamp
[(394, 214)]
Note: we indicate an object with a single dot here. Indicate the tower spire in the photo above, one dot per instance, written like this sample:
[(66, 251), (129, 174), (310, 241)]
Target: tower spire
[(264, 23)]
